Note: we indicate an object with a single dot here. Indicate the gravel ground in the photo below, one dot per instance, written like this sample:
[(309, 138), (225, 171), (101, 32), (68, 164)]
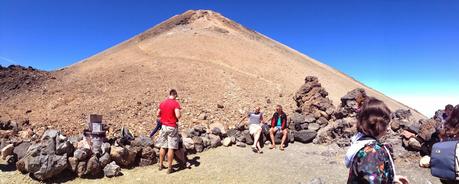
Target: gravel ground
[(299, 163)]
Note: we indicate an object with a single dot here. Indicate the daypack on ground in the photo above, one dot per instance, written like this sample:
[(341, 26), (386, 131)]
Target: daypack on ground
[(443, 160)]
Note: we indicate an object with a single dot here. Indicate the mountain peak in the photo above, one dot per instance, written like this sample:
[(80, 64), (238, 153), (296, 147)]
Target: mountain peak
[(195, 19)]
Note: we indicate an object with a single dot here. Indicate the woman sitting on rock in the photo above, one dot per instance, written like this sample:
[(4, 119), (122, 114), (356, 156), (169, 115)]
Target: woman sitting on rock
[(368, 160), (255, 123)]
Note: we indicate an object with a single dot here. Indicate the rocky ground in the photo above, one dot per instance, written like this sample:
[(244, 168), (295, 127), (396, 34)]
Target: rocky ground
[(299, 163)]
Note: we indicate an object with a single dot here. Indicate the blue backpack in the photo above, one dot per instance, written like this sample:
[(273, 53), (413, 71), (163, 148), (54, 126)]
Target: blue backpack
[(443, 160)]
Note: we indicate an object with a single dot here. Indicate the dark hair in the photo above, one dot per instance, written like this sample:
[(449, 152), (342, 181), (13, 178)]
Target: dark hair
[(173, 92), (374, 118), (451, 127), (449, 107)]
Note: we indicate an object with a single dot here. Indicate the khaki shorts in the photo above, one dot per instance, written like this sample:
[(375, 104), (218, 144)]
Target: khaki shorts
[(168, 137), (254, 128)]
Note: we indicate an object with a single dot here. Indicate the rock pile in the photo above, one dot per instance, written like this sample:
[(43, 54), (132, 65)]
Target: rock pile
[(316, 119), (55, 153), (343, 123), (416, 135), (47, 158), (314, 110)]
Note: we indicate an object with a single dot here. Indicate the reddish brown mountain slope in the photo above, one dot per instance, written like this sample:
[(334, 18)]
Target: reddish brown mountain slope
[(208, 58)]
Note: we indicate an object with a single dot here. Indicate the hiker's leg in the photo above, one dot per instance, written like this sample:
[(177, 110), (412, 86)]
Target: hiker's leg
[(256, 138), (284, 136), (170, 157), (162, 153), (271, 134)]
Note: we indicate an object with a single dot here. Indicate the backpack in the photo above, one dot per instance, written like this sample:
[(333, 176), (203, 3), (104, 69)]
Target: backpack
[(443, 160)]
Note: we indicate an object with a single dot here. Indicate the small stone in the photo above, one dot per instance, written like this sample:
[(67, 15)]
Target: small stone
[(220, 106), (316, 181), (241, 144), (414, 143), (227, 142), (202, 116), (7, 150)]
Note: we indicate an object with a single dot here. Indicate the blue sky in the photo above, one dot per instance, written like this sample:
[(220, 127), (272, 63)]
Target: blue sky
[(408, 50)]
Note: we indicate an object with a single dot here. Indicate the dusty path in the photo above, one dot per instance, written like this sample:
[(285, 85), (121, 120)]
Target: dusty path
[(299, 163)]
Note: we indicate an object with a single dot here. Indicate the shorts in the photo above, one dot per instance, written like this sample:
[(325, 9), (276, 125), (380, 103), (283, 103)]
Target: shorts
[(254, 128), (277, 129), (168, 137)]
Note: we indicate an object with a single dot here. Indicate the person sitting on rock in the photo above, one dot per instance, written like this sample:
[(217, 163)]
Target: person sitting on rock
[(368, 160), (278, 123), (446, 113), (255, 123), (449, 133), (169, 113)]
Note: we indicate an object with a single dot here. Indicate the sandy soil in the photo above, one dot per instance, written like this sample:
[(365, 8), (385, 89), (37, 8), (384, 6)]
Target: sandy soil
[(299, 163)]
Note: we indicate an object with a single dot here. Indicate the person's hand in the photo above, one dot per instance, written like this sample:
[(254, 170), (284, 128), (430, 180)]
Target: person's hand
[(401, 180)]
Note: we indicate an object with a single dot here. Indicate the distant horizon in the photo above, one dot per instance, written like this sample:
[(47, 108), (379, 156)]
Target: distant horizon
[(405, 50)]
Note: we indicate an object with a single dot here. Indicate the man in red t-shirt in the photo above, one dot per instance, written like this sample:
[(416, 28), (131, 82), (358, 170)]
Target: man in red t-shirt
[(169, 113)]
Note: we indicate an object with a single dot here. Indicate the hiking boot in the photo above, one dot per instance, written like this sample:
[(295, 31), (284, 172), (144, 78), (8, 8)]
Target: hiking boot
[(169, 171)]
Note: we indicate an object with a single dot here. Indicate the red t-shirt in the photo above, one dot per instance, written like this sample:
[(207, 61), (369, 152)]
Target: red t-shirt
[(167, 112)]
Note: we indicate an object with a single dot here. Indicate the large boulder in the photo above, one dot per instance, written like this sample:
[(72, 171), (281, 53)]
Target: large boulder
[(215, 140), (42, 160), (73, 164), (63, 146), (93, 167), (427, 128), (188, 143), (21, 149), (142, 141), (82, 154), (305, 136), (50, 166), (198, 144), (105, 159), (298, 118), (124, 156), (112, 170)]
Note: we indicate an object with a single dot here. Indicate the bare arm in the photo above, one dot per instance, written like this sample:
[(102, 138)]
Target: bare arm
[(177, 113), (158, 113), (242, 120), (261, 119)]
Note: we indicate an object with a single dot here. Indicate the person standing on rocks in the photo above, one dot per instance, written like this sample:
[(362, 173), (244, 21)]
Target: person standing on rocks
[(369, 160), (278, 123), (169, 113), (255, 123)]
